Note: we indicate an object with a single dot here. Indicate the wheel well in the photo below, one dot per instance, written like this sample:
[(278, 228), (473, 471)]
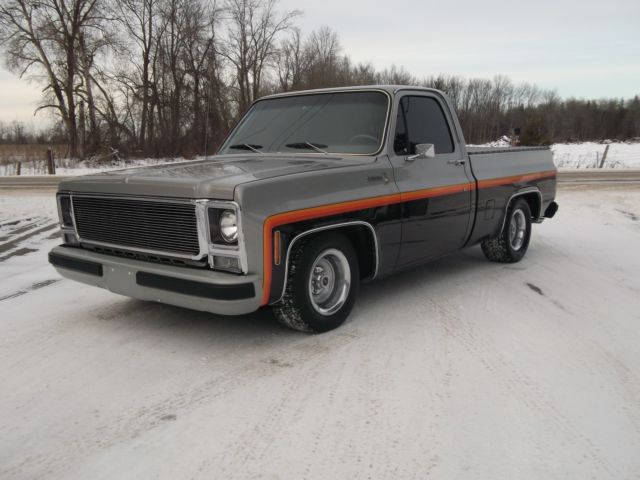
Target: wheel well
[(533, 199), (362, 237)]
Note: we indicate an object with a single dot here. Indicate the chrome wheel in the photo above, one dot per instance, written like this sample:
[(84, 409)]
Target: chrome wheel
[(329, 281), (517, 230)]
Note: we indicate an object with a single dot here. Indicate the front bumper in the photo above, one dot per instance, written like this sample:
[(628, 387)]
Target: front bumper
[(197, 289)]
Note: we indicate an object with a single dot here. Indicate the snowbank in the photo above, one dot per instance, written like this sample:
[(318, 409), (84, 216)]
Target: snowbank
[(589, 155)]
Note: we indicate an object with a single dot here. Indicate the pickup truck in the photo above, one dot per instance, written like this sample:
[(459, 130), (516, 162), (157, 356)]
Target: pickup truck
[(311, 194)]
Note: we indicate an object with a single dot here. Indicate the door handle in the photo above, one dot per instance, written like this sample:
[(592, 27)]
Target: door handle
[(456, 162)]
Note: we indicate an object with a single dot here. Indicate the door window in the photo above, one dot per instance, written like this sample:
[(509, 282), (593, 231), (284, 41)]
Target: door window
[(421, 120)]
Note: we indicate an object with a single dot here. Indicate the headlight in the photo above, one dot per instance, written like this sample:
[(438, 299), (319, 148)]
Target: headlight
[(225, 251), (229, 226)]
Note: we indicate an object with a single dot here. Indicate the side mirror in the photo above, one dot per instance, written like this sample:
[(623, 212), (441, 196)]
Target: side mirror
[(423, 150)]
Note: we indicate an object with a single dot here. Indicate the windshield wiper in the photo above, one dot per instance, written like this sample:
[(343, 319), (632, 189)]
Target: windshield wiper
[(307, 146), (247, 146)]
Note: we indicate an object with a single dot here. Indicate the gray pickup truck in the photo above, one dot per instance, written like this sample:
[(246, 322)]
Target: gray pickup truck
[(311, 194)]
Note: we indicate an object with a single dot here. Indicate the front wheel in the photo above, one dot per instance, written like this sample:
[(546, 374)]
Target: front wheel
[(513, 241), (322, 284)]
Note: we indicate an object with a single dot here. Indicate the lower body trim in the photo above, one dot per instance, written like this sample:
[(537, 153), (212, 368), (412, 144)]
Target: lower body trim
[(198, 289), (84, 266)]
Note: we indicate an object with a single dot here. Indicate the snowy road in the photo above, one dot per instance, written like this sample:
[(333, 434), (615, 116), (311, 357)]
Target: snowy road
[(461, 369)]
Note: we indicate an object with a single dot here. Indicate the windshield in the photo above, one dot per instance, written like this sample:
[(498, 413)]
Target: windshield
[(343, 122)]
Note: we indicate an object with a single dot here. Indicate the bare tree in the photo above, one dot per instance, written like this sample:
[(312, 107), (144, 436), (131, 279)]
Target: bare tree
[(141, 27), (201, 61), (250, 42), (41, 41), (323, 51), (292, 62), (395, 76)]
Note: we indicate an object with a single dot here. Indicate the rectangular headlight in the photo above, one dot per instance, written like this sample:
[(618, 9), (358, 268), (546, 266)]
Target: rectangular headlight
[(220, 226), (222, 222)]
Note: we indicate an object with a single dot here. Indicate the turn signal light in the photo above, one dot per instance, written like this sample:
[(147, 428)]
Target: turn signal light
[(229, 264)]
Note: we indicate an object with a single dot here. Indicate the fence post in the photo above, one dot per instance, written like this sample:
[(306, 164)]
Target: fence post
[(51, 166), (604, 156), (19, 168)]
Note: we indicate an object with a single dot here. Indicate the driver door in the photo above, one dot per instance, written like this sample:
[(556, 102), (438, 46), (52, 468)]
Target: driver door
[(437, 213)]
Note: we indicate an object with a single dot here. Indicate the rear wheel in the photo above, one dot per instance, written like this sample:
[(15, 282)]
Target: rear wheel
[(322, 284), (512, 243)]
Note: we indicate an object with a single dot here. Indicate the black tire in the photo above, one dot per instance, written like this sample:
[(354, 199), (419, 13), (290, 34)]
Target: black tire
[(296, 309), (501, 248)]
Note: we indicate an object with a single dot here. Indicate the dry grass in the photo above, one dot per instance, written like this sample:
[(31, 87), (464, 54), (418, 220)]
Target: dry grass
[(32, 157), (29, 153)]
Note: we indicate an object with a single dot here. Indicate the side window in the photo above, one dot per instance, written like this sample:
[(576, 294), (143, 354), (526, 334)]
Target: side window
[(421, 120)]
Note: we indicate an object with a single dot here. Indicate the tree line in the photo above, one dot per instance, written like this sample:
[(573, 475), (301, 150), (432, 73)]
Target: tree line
[(171, 77)]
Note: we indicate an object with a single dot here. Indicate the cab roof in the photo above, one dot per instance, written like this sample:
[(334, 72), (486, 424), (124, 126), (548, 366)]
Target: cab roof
[(390, 89)]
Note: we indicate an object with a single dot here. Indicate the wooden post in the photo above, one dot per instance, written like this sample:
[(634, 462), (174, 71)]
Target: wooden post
[(51, 166), (19, 168), (604, 156), (515, 138)]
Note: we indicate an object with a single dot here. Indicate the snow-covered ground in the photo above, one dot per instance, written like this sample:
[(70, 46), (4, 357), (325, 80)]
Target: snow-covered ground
[(589, 154), (462, 369)]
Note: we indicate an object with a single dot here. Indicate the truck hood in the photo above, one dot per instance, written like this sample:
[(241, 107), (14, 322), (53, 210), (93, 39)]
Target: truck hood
[(214, 178)]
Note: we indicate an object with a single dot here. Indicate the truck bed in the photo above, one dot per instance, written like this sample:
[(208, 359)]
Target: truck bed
[(495, 162)]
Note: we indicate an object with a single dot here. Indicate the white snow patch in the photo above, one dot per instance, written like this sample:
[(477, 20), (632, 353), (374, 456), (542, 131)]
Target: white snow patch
[(588, 154)]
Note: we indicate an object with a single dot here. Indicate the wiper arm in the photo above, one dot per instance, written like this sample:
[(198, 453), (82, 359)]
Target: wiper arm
[(307, 146), (247, 146)]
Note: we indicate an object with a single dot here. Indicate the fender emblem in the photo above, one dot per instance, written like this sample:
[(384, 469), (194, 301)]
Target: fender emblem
[(378, 178)]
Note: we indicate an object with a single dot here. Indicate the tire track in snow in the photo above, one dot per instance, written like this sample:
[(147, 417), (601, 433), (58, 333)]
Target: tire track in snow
[(522, 386), (33, 287), (136, 422), (251, 446), (21, 245)]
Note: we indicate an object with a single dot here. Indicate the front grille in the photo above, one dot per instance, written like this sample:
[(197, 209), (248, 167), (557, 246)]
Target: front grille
[(138, 224)]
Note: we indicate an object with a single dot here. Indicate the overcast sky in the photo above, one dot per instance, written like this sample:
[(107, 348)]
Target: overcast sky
[(582, 48)]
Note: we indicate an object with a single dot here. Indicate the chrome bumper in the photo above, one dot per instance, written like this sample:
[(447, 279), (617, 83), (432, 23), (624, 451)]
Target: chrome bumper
[(197, 289)]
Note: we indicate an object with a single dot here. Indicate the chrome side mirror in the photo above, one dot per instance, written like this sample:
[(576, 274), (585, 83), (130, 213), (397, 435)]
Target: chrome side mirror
[(423, 150)]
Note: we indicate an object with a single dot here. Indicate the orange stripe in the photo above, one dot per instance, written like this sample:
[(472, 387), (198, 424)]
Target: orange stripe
[(527, 177), (354, 205)]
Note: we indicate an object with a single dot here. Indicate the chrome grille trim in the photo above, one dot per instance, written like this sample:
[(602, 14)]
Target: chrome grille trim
[(144, 221)]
